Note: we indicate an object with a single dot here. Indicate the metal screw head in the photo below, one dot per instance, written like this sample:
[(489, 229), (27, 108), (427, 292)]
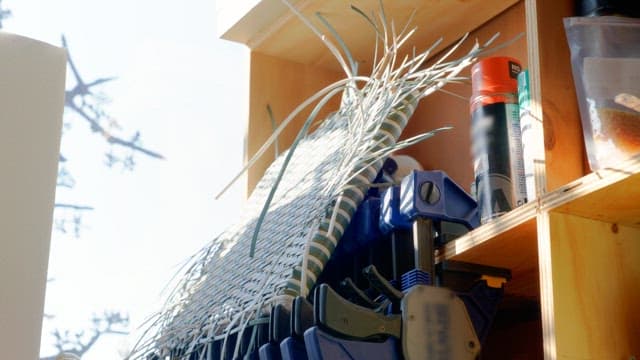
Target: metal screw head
[(429, 192), (614, 228)]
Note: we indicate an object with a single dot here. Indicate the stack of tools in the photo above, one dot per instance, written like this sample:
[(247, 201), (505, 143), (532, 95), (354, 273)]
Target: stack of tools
[(382, 295)]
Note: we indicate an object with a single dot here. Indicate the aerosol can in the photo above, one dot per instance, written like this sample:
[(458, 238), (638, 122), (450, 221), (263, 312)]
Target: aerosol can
[(496, 138)]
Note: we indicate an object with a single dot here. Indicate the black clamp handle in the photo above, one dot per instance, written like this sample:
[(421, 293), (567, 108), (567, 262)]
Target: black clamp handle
[(339, 316), (381, 284)]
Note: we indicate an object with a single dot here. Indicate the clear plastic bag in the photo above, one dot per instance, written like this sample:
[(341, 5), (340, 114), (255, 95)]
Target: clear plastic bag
[(605, 58)]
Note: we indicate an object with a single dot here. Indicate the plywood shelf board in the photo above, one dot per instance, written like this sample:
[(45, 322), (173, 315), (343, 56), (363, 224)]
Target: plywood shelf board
[(272, 29), (611, 194), (282, 85), (509, 242), (553, 97), (596, 272)]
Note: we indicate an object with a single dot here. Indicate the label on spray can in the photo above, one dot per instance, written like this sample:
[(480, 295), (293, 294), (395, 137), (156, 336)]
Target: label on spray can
[(532, 145), (497, 156)]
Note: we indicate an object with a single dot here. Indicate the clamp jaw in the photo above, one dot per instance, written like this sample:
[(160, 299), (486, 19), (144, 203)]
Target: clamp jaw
[(433, 195), (424, 310), (421, 321), (433, 322)]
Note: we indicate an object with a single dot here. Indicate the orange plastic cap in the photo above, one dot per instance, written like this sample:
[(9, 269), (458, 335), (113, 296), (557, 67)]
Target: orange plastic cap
[(497, 74)]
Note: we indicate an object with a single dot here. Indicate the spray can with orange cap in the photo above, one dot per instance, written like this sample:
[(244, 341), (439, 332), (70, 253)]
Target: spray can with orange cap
[(495, 137)]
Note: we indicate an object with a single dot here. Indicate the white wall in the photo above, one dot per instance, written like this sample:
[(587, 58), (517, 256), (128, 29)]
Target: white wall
[(32, 77)]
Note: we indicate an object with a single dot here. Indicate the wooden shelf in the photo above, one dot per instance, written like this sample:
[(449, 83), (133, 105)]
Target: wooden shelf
[(574, 251), (271, 28), (609, 195), (509, 242)]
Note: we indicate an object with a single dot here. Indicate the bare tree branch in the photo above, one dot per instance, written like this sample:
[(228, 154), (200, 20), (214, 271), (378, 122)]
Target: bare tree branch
[(74, 207), (79, 99), (71, 215), (97, 128), (85, 102), (4, 14), (64, 178), (79, 342)]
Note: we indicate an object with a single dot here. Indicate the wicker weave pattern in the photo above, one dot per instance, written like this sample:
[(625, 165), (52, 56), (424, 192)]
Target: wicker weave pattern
[(231, 282), (352, 194), (228, 288)]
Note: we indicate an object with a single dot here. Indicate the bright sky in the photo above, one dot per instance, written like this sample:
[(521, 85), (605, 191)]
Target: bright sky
[(187, 93)]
